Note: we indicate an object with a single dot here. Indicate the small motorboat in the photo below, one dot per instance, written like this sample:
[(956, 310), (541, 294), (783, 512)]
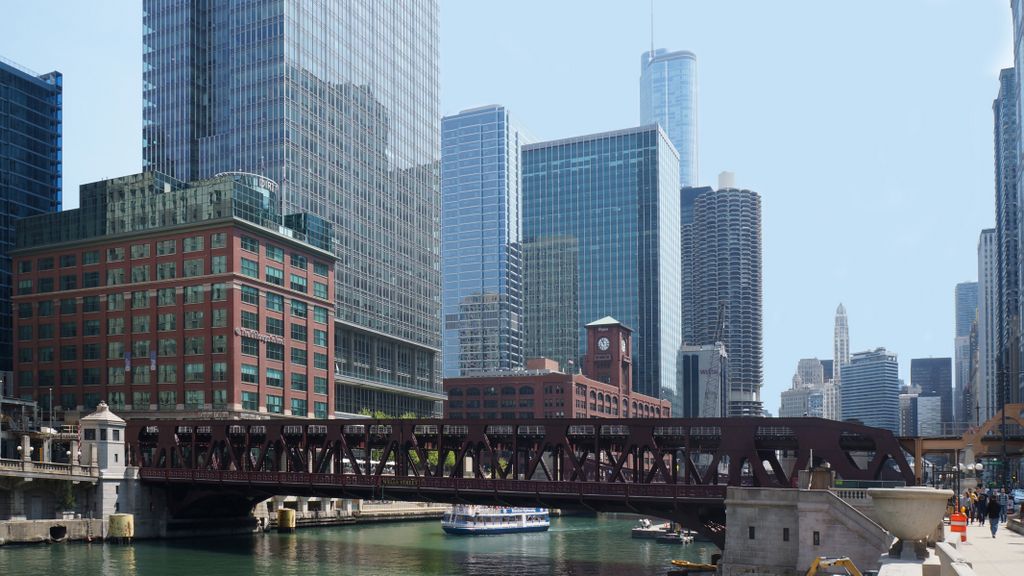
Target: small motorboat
[(688, 567), (675, 537), (646, 529)]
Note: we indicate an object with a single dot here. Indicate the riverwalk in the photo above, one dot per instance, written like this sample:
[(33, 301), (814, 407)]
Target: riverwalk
[(999, 556)]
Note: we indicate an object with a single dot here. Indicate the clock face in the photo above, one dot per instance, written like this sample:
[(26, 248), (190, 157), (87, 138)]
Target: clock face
[(622, 345), (603, 343)]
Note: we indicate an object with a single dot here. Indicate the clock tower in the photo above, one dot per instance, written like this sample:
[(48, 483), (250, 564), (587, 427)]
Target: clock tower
[(610, 354)]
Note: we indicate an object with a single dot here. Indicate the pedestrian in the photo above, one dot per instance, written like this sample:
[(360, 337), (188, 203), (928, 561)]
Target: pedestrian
[(980, 506), (992, 508), (1004, 501)]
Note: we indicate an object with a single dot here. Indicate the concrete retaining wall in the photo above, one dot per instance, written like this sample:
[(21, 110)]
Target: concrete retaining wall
[(36, 531)]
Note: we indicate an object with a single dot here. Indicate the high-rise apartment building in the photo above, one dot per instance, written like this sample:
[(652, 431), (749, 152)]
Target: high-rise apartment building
[(966, 303), (1017, 395), (688, 196), (482, 303), (727, 287), (988, 312), (30, 172), (668, 96), (338, 102), (871, 389), (601, 238), (934, 377), (1006, 134), (840, 344)]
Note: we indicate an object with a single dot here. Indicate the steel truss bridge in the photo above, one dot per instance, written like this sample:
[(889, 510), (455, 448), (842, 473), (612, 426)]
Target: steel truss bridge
[(671, 468)]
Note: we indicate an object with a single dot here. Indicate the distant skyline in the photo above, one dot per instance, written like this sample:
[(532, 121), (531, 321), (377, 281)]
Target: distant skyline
[(874, 159)]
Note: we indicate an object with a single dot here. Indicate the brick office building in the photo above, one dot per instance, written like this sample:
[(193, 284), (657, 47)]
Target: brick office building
[(176, 299), (603, 390)]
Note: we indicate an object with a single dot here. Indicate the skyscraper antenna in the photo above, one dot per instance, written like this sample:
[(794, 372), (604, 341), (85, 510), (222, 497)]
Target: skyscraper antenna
[(651, 53)]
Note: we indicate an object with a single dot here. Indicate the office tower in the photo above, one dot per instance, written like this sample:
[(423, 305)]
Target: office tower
[(840, 344), (934, 376), (871, 389), (601, 238), (687, 196), (810, 373), (668, 96), (337, 102), (988, 312), (802, 402), (826, 369), (176, 300), (908, 414), (727, 285), (966, 301), (702, 381), (30, 172), (1017, 395), (1007, 148), (481, 296)]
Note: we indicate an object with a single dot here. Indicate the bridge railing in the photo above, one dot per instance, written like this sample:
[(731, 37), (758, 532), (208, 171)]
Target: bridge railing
[(48, 468)]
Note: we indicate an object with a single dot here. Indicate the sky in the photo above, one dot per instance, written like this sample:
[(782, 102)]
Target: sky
[(865, 126)]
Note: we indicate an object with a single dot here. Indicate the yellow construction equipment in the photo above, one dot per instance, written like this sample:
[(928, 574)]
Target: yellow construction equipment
[(823, 562)]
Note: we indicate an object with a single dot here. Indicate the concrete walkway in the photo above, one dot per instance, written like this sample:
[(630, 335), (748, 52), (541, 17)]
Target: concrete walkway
[(999, 556)]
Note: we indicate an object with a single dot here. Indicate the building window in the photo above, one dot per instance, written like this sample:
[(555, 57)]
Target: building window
[(91, 328), (165, 297), (218, 264), (194, 398), (250, 295), (320, 338), (250, 268), (275, 377), (140, 349), (68, 329), (45, 354), (299, 407), (68, 260), (299, 309), (68, 282), (167, 322), (218, 292), (193, 319), (817, 538), (91, 257), (275, 351), (750, 532), (192, 244), (195, 372), (299, 382), (44, 264), (274, 275), (115, 302), (250, 346), (168, 399), (298, 283), (218, 240), (67, 352), (68, 305), (115, 254), (115, 326), (90, 377), (220, 397), (250, 374), (195, 345), (90, 279), (115, 375), (250, 320), (274, 253), (298, 332), (320, 361), (90, 304), (250, 244), (275, 326), (140, 299), (168, 347), (320, 410), (193, 267), (24, 354), (45, 331), (140, 251), (298, 261), (166, 271), (115, 277), (220, 344), (44, 308), (46, 285), (115, 351), (319, 385), (299, 356), (91, 351), (250, 400), (166, 247), (320, 269), (194, 294), (140, 273), (140, 400), (220, 318), (140, 374), (319, 315), (785, 534), (140, 324), (274, 302), (275, 404)]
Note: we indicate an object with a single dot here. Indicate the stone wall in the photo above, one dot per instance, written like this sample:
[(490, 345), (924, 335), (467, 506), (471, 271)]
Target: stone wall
[(780, 531)]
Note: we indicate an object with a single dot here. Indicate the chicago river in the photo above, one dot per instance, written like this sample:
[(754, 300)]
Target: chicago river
[(576, 545)]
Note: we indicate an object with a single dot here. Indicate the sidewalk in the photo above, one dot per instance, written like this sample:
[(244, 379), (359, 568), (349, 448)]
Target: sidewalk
[(999, 556)]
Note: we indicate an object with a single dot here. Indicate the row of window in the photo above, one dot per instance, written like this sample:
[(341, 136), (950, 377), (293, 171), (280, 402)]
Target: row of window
[(489, 415), (491, 391), (525, 403), (276, 254), (116, 276), (148, 373), (193, 399), (275, 275), (275, 302), (117, 254)]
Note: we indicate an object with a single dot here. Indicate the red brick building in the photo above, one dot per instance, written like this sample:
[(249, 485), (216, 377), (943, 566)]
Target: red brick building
[(603, 390), (175, 299)]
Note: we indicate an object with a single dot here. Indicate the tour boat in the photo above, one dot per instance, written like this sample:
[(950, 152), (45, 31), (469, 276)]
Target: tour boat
[(646, 529), (494, 520)]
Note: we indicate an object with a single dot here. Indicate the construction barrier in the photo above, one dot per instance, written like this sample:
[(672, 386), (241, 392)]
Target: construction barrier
[(958, 523)]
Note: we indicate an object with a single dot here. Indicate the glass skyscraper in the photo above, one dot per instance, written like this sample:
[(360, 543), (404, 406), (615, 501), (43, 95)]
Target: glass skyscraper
[(482, 302), (668, 96), (338, 102), (30, 169), (601, 238), (871, 389)]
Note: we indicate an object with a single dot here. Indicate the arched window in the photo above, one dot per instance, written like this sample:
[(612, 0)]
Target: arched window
[(490, 391), (472, 392), (657, 412), (593, 395), (528, 390), (634, 408), (455, 392), (508, 391)]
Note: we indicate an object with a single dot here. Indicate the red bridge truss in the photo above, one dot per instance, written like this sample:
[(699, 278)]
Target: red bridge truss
[(673, 468)]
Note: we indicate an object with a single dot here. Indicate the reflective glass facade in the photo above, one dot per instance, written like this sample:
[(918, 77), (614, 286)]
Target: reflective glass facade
[(30, 168), (871, 389), (480, 242), (601, 238), (339, 103), (668, 96)]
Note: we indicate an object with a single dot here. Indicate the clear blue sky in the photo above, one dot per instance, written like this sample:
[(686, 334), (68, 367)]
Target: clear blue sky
[(866, 127)]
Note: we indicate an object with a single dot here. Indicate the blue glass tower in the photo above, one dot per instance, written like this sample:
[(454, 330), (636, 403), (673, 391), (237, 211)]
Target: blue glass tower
[(871, 389), (338, 102), (482, 302), (30, 168), (668, 96), (601, 238)]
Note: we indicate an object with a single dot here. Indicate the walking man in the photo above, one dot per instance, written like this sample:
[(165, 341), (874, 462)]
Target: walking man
[(992, 508), (1004, 504)]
